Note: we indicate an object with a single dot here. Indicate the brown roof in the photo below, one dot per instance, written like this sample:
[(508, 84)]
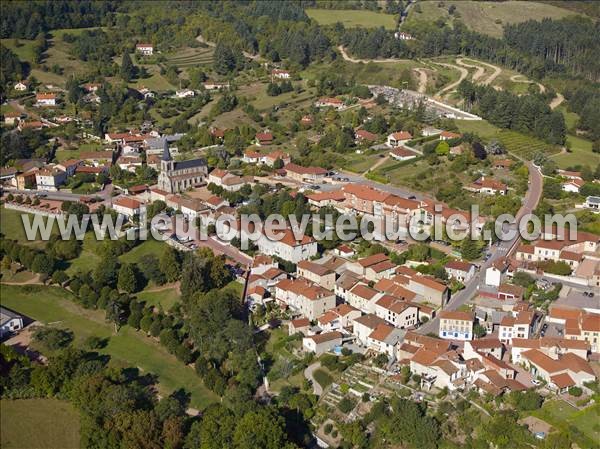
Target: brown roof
[(371, 321), (381, 332), (543, 361), (364, 291), (591, 322), (300, 322), (485, 343), (459, 265), (325, 337), (456, 315), (128, 203), (382, 266), (393, 304), (425, 357), (373, 260), (515, 290), (295, 168), (562, 380), (402, 135), (365, 192), (315, 268), (363, 134), (305, 288)]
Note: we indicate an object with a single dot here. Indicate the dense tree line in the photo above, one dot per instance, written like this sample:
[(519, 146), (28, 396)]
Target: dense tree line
[(585, 101), (11, 69), (528, 114), (374, 43), (27, 19)]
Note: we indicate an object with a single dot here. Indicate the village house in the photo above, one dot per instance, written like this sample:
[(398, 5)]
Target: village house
[(553, 347), (510, 292), (299, 325), (456, 325), (344, 250), (385, 339), (229, 181), (578, 325), (488, 186), (144, 49), (520, 325), (27, 180), (592, 203), (363, 297), (503, 164), (345, 283), (402, 154), (398, 138), (489, 346), (436, 367), (460, 270), (288, 247), (364, 325), (21, 86), (319, 274), (363, 136), (273, 156), (305, 174), (333, 198), (322, 343), (215, 85), (567, 371), (403, 36), (304, 297), (50, 178), (264, 139), (11, 117), (45, 99), (496, 273), (447, 135), (573, 185), (280, 74), (10, 322), (128, 207), (185, 93), (339, 318), (327, 102), (398, 313), (69, 166)]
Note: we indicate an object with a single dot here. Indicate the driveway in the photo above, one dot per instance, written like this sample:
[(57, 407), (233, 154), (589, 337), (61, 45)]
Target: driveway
[(308, 374)]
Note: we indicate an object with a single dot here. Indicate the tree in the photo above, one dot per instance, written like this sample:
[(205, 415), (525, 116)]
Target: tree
[(128, 70), (224, 60), (53, 338), (479, 331), (263, 428), (128, 280), (43, 264), (169, 264), (470, 249)]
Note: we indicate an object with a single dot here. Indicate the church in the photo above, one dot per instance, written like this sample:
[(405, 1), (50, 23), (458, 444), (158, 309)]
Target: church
[(178, 176)]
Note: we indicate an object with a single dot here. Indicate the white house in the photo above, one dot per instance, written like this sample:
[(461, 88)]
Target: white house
[(459, 270), (495, 274), (128, 207), (398, 138), (322, 343), (9, 322), (45, 99), (144, 49), (304, 298), (280, 74), (456, 325), (21, 86), (50, 178), (573, 185), (184, 93), (288, 247), (338, 318), (398, 313)]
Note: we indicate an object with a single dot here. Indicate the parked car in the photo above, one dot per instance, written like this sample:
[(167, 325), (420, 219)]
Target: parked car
[(535, 382)]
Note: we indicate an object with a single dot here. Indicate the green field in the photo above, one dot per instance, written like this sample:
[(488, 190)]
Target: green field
[(582, 424), (126, 348), (11, 226), (486, 17), (164, 297), (150, 246), (353, 18), (38, 424), (581, 154)]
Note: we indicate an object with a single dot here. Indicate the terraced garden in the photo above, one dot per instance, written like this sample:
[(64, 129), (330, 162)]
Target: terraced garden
[(191, 57)]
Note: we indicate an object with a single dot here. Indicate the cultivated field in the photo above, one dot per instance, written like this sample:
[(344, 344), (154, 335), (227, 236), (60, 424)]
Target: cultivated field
[(191, 57), (353, 18), (38, 424), (487, 17)]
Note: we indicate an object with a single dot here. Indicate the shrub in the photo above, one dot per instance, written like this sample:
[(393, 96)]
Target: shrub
[(575, 391), (328, 428), (52, 337), (346, 405)]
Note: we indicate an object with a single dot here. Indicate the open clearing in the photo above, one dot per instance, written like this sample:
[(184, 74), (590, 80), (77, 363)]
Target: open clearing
[(38, 424), (353, 18), (126, 348), (581, 154), (487, 17)]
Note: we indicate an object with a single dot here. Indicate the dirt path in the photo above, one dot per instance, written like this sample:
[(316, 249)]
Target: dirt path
[(479, 72), (556, 101), (35, 280), (366, 61), (381, 161), (422, 80), (463, 74), (497, 71), (517, 79), (308, 374)]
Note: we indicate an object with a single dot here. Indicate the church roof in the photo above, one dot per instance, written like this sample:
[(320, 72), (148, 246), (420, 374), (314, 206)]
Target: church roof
[(182, 165), (166, 153)]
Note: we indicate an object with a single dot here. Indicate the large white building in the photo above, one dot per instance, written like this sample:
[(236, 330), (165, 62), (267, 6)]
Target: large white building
[(288, 248)]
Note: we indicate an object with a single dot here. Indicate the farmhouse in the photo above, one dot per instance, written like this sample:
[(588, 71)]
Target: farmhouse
[(144, 49), (398, 138), (45, 99)]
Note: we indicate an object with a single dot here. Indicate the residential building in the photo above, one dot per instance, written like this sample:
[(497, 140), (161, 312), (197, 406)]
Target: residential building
[(144, 49), (567, 371), (128, 207), (50, 178), (496, 273), (456, 325), (553, 347), (364, 325), (299, 325), (338, 318), (45, 99), (363, 297), (488, 186), (21, 86), (573, 185), (447, 135), (9, 322), (363, 136), (592, 202), (305, 174), (327, 102), (510, 292), (399, 313), (280, 74), (398, 138), (519, 326), (460, 270), (319, 274), (304, 297), (385, 339), (264, 139), (322, 343), (288, 247), (578, 325), (402, 154)]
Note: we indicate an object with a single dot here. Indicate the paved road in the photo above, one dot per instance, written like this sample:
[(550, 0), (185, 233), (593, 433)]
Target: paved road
[(503, 250), (308, 373)]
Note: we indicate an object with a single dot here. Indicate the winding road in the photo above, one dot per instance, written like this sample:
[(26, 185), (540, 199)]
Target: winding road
[(463, 75), (518, 79), (479, 72), (422, 80)]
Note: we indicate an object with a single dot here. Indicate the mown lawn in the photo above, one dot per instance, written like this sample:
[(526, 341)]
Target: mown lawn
[(11, 226), (581, 154), (126, 348), (353, 18), (487, 17), (165, 297), (38, 424), (149, 246)]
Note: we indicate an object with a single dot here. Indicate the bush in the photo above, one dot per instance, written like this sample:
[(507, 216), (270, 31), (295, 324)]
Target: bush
[(52, 337), (328, 428), (575, 391), (346, 405)]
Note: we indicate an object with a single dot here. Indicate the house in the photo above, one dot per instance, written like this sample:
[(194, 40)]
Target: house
[(333, 198), (344, 251), (273, 156), (305, 174), (217, 133), (510, 292), (184, 93), (50, 178), (363, 297), (519, 326), (573, 185), (21, 86), (402, 154), (553, 347), (306, 120), (9, 322), (456, 325), (345, 283), (338, 318), (69, 166), (11, 117), (299, 325), (566, 371), (447, 135), (328, 102), (229, 181), (503, 164), (45, 99), (570, 174), (495, 273), (398, 138), (27, 180), (437, 367), (304, 297), (319, 274), (592, 202), (128, 207), (251, 157), (215, 85), (264, 139), (489, 346), (403, 36), (364, 136), (398, 313), (322, 343), (578, 325), (280, 74), (364, 325), (460, 270), (144, 49), (288, 247), (488, 186), (385, 339)]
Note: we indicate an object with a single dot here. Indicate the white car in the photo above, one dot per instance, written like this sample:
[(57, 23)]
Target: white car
[(535, 382)]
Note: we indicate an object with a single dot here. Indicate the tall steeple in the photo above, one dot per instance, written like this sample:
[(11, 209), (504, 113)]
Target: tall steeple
[(166, 153)]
